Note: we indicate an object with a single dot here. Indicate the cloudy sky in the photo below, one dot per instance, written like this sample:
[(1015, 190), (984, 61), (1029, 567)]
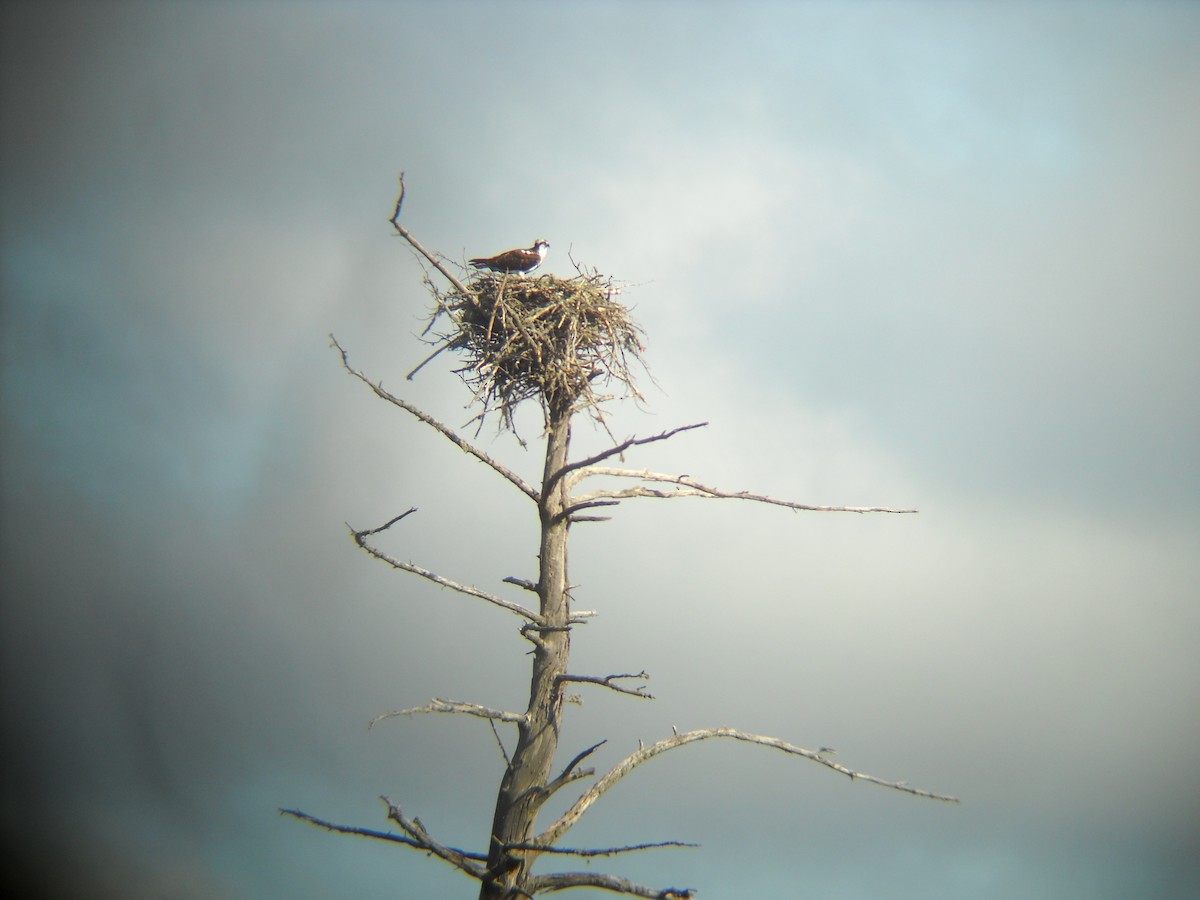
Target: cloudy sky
[(907, 254)]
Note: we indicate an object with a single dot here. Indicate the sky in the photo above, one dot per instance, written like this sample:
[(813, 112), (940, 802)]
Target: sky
[(917, 254)]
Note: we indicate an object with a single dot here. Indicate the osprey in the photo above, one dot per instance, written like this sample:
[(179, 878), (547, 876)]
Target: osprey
[(520, 261)]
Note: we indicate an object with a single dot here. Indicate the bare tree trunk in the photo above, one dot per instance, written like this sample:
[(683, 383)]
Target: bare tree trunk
[(524, 787), (552, 339)]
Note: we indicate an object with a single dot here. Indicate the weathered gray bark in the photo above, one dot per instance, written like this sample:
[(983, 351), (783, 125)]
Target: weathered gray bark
[(516, 352), (523, 789)]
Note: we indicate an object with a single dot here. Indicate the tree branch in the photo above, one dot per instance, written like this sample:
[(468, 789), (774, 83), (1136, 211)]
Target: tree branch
[(500, 744), (385, 526), (523, 583), (417, 837), (439, 705), (607, 681), (421, 839), (693, 488), (403, 232), (433, 423), (561, 881), (347, 829), (531, 633), (428, 359), (614, 451), (360, 539), (571, 773), (598, 851), (571, 512), (624, 767)]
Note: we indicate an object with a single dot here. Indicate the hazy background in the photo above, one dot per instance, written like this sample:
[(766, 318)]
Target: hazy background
[(928, 254)]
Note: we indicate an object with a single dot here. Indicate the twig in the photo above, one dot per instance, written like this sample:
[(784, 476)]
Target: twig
[(607, 681), (693, 488), (624, 767), (422, 839), (500, 743), (426, 361), (438, 705), (572, 511), (360, 539), (433, 423), (530, 632), (421, 843), (598, 851), (523, 583), (403, 232), (614, 451), (348, 829), (386, 525), (561, 881), (570, 772)]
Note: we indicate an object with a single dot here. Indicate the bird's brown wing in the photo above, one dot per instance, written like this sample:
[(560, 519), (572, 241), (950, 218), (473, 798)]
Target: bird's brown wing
[(509, 261)]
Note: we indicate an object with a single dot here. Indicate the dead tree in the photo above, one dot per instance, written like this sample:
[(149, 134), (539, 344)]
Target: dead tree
[(559, 342)]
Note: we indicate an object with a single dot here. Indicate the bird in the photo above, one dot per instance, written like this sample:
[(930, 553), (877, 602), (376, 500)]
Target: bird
[(514, 261)]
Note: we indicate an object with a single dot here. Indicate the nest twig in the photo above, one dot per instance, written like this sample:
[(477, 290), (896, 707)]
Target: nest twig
[(553, 339)]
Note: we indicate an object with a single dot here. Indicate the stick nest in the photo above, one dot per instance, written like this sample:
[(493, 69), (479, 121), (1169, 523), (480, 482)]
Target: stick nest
[(558, 340)]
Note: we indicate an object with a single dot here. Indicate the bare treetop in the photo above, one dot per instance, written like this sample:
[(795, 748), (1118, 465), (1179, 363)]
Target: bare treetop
[(568, 343), (550, 338)]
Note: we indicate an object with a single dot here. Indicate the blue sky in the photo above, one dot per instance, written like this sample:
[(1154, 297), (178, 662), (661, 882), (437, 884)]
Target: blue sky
[(908, 254)]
